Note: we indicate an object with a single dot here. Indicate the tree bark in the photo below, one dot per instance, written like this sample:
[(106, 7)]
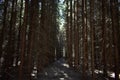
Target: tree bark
[(115, 28), (104, 37), (92, 37), (23, 40)]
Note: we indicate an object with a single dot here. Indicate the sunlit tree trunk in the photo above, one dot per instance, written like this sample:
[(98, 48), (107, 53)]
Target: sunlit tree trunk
[(74, 32)]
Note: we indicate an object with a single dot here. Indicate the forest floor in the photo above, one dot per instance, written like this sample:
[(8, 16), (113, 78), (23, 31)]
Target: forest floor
[(59, 70)]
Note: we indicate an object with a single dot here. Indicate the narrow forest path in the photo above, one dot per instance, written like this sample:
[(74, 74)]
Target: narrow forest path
[(59, 71)]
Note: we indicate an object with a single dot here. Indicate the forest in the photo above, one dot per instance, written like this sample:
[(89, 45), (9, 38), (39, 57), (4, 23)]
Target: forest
[(59, 39)]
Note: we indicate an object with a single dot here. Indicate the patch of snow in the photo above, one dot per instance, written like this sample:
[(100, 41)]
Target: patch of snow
[(46, 73), (98, 71), (14, 65), (110, 74), (19, 63), (66, 65), (62, 79), (1, 60), (56, 74), (33, 74), (35, 71), (66, 75), (35, 67)]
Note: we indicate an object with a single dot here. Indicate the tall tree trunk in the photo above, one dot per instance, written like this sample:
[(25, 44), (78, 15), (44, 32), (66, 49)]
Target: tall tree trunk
[(2, 34), (67, 31), (84, 25), (23, 40), (9, 57), (76, 34), (104, 37), (115, 28), (4, 26), (18, 36), (33, 35), (92, 37), (71, 35)]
